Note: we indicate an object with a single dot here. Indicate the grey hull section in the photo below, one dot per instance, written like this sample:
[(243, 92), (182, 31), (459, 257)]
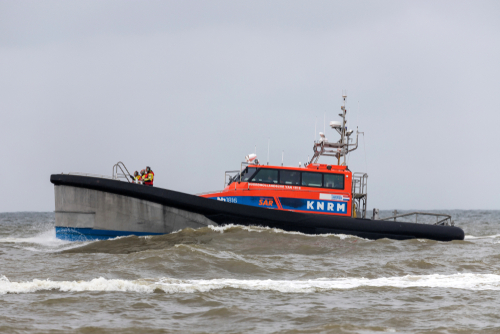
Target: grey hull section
[(82, 208)]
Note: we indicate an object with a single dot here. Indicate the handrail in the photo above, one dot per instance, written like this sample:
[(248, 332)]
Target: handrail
[(125, 175), (230, 176), (119, 164), (114, 173), (360, 182), (235, 171), (359, 194), (416, 213), (90, 174)]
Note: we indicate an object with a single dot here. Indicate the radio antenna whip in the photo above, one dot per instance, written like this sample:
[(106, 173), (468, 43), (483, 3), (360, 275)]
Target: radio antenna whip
[(324, 123), (268, 140)]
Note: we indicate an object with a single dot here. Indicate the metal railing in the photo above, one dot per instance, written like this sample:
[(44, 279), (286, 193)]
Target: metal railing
[(228, 173), (359, 194), (360, 183), (90, 174), (116, 175), (445, 221), (229, 176)]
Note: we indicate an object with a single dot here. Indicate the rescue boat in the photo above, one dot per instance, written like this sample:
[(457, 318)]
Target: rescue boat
[(315, 198)]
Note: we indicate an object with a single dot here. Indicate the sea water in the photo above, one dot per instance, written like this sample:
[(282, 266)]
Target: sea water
[(237, 279)]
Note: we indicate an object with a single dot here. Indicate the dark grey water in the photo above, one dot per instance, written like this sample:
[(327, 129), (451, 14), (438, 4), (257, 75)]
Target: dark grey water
[(240, 280)]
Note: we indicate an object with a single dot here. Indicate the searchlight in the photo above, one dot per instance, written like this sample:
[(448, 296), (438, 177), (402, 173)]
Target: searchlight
[(252, 159)]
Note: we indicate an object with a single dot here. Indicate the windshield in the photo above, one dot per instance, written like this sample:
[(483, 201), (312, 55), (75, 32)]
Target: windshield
[(245, 175)]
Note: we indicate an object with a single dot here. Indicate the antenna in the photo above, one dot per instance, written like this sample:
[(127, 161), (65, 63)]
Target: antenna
[(282, 155), (357, 123), (255, 150), (344, 146), (315, 125), (344, 128), (324, 123), (268, 140)]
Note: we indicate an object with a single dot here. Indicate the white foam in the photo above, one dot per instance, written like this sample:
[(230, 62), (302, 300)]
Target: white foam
[(45, 238), (97, 284), (45, 241), (171, 285), (261, 229), (457, 281), (472, 237)]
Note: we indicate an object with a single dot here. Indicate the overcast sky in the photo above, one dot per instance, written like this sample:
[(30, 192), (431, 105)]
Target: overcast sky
[(190, 87)]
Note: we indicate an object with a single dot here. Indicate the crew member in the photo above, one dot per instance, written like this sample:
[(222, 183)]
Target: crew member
[(143, 175), (149, 177), (136, 178)]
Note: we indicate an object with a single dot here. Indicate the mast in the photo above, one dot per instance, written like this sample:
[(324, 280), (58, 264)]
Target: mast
[(342, 134), (336, 149)]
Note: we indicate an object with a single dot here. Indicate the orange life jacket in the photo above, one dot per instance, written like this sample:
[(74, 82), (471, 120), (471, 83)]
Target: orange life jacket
[(148, 180)]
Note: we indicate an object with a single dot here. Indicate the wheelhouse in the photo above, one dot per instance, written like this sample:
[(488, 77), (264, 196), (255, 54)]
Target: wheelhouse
[(315, 188)]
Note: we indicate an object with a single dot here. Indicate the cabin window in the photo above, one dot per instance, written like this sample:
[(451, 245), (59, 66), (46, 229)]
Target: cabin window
[(312, 179), (265, 175), (290, 177), (334, 181), (247, 174)]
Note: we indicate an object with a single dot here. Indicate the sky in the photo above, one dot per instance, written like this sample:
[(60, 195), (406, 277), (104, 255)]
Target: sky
[(191, 87)]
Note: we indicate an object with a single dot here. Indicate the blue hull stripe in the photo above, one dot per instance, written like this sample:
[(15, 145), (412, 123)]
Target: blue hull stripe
[(88, 234), (300, 204)]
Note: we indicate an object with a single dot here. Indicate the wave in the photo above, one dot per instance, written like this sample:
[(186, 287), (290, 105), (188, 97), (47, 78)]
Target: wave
[(472, 237), (171, 285), (211, 234), (260, 229), (44, 241)]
